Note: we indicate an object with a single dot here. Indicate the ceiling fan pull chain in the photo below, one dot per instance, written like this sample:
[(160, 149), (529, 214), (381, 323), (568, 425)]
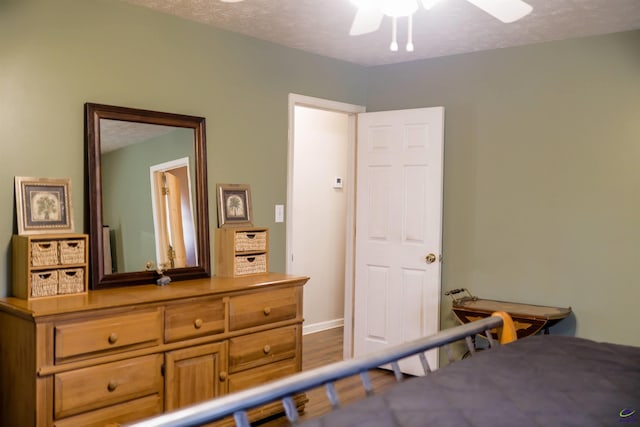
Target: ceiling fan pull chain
[(394, 34), (410, 34)]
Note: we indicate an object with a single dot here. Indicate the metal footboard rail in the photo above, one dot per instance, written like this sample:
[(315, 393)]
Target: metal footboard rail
[(238, 403)]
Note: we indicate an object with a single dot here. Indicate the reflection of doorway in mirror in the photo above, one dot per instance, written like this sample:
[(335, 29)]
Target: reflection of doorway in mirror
[(170, 235), (173, 219)]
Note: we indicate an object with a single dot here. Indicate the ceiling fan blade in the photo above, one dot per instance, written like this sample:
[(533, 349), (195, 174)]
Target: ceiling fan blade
[(231, 1), (367, 20), (506, 11)]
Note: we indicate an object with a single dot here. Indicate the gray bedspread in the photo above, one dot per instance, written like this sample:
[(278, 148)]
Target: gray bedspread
[(543, 380)]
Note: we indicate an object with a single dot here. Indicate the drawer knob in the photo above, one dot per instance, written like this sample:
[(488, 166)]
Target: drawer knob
[(267, 310), (113, 338), (266, 349), (112, 386), (197, 323), (223, 376)]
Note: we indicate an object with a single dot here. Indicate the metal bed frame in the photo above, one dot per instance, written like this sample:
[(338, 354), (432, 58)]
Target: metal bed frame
[(238, 403)]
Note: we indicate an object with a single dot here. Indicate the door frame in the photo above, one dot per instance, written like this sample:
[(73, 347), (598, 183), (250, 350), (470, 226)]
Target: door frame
[(352, 110), (164, 167)]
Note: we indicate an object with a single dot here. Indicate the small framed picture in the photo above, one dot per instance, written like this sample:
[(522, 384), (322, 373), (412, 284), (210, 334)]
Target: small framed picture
[(43, 205), (234, 205)]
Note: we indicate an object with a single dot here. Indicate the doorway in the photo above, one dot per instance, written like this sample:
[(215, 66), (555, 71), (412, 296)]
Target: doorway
[(320, 199), (410, 226), (173, 219)]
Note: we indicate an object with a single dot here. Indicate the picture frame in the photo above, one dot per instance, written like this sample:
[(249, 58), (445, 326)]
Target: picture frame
[(234, 205), (43, 205)]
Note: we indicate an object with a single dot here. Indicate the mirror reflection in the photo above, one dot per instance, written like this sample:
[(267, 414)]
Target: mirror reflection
[(147, 199)]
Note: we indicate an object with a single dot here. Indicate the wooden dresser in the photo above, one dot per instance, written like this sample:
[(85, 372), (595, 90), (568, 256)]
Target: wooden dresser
[(118, 355)]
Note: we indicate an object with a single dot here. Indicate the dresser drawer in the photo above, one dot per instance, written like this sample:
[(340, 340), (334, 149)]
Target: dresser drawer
[(260, 308), (115, 415), (88, 338), (250, 351), (258, 376), (100, 386), (194, 319)]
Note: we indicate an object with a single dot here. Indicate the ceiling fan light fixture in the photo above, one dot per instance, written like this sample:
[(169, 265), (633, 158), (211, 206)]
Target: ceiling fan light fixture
[(428, 4), (392, 8), (399, 8), (394, 35), (409, 46), (370, 14)]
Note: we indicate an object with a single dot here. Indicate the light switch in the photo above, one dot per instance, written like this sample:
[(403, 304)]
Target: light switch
[(279, 213)]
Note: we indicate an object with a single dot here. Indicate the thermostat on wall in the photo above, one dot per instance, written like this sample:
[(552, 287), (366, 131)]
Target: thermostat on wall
[(337, 182)]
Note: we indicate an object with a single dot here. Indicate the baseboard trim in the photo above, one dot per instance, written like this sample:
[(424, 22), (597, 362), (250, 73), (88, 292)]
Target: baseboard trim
[(322, 326)]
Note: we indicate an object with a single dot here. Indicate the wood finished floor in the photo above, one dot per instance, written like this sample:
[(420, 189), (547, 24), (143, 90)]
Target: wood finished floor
[(322, 348)]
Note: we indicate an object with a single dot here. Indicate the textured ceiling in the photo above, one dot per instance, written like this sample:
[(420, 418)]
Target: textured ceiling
[(451, 27), (116, 134)]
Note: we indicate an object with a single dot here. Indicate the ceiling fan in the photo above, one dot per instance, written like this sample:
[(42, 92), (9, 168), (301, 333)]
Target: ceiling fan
[(371, 12)]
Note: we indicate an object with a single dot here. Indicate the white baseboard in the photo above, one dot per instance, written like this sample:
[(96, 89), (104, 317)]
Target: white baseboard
[(322, 326)]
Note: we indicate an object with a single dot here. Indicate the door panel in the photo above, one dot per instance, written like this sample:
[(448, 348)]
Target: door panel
[(398, 222)]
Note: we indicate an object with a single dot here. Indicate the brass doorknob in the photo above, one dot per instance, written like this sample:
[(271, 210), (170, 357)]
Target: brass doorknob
[(431, 258)]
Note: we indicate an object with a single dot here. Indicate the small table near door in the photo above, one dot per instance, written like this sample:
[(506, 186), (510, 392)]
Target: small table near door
[(529, 319)]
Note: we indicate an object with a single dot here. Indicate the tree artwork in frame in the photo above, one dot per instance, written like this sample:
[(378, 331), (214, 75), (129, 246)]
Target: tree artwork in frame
[(43, 205), (234, 205)]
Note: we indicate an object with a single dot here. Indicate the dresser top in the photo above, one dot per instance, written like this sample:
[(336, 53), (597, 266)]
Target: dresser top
[(144, 294)]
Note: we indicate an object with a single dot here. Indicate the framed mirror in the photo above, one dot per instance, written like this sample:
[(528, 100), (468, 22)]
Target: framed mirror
[(147, 204)]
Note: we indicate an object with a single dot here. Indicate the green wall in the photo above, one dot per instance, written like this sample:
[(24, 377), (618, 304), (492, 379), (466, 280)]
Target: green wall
[(542, 176), (541, 179), (57, 55)]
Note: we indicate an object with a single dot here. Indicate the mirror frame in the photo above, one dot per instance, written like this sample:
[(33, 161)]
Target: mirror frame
[(93, 196)]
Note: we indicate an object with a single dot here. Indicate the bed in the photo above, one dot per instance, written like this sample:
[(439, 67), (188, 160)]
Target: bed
[(542, 380)]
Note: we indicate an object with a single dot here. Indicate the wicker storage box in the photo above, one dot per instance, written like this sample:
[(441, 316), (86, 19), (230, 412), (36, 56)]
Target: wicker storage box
[(44, 253), (71, 251), (251, 241), (251, 264), (49, 265), (44, 283), (71, 281), (241, 251)]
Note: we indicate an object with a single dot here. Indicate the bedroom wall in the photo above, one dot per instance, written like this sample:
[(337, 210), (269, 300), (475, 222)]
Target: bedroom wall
[(542, 184), (541, 178), (57, 55)]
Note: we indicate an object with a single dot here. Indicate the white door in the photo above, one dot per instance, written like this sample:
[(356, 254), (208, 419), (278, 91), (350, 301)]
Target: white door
[(398, 230)]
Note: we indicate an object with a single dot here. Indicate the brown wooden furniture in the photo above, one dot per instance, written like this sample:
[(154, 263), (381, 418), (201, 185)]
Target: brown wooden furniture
[(117, 355), (47, 265), (241, 251), (528, 319)]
